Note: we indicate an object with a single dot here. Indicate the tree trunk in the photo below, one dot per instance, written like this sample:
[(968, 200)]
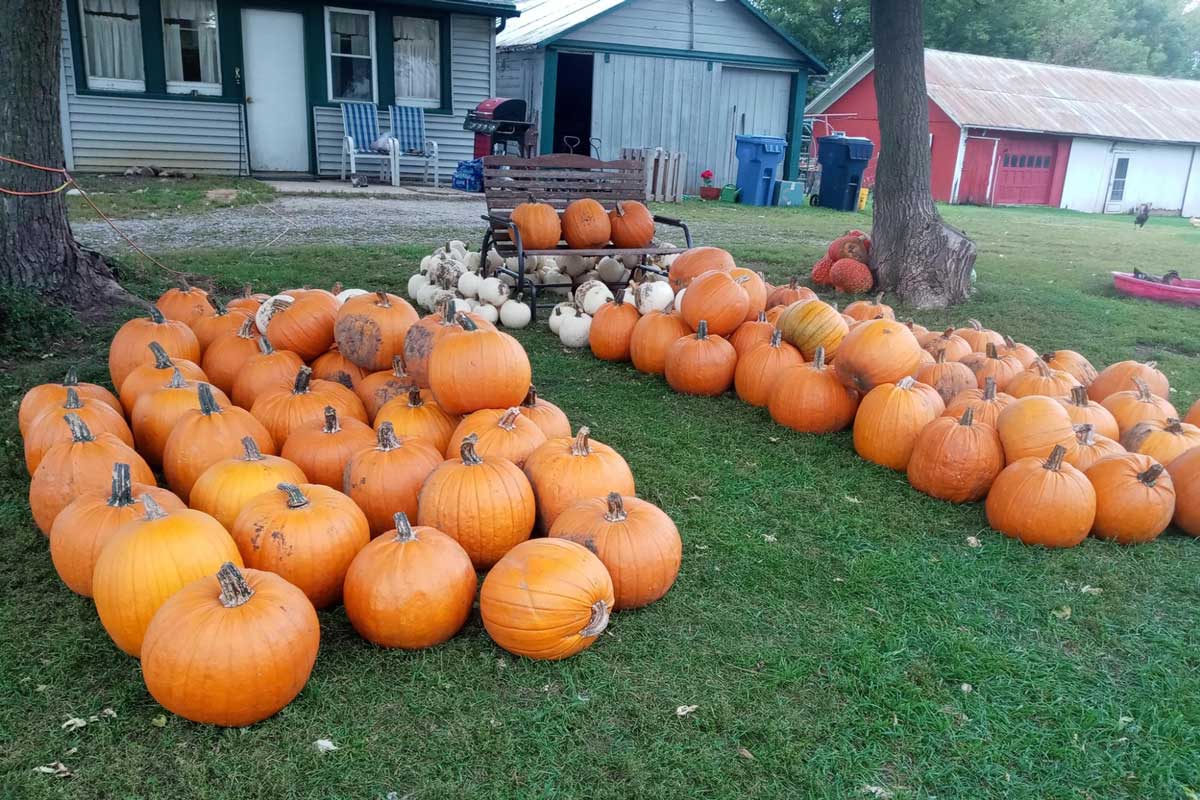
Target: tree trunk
[(915, 254), (37, 250)]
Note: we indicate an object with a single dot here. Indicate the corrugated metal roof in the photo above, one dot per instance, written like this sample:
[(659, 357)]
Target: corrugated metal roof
[(986, 92), (544, 19)]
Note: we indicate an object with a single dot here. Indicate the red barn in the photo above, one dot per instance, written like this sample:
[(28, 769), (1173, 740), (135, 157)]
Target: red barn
[(1005, 132)]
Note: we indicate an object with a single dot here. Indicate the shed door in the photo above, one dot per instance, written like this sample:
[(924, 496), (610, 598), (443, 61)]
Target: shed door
[(975, 184), (1024, 172), (756, 102)]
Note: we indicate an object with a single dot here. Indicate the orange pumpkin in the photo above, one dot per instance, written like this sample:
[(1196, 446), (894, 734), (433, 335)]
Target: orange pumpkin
[(156, 414), (410, 590), (991, 364), (1091, 447), (81, 530), (1023, 353), (550, 418), (388, 477), (956, 459), (870, 309), (477, 368), (485, 504), (546, 599), (498, 434), (1041, 379), (611, 332), (1033, 426), (282, 412), (1071, 362), (129, 346), (203, 436), (791, 293), (987, 403), (417, 416), (224, 488), (585, 224), (756, 373), (333, 366), (632, 224), (253, 634), (422, 337), (1162, 440), (228, 354), (323, 450), (947, 378), (638, 544), (148, 560), (565, 470), (223, 320), (1193, 415), (1185, 474), (810, 398), (696, 261), (380, 387), (155, 374), (305, 325), (979, 337), (756, 291), (248, 301), (700, 364), (1120, 377), (306, 533), (1135, 498), (876, 352), (184, 303), (538, 225), (1083, 411), (49, 430), (719, 299), (652, 337), (750, 335), (1139, 405), (954, 346), (889, 420), (370, 329), (46, 396), (267, 372), (1046, 502), (809, 324)]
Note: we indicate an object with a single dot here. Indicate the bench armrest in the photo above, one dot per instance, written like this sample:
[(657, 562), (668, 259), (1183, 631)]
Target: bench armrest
[(675, 223), (506, 222)]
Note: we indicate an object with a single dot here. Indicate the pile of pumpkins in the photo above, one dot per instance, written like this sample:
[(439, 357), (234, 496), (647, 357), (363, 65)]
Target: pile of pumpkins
[(351, 453), (1058, 449), (846, 264)]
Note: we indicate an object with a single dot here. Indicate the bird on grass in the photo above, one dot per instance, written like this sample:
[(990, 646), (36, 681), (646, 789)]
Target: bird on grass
[(1142, 215)]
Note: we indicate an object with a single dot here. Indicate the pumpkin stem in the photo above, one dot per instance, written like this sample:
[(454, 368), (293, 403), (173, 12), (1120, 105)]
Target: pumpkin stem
[(702, 330), (531, 398), (122, 487), (467, 451), (161, 359), (71, 378), (762, 317), (280, 304), (331, 420), (384, 302), (247, 329), (252, 453), (1054, 462), (1085, 434), (404, 530), (79, 428), (156, 316), (234, 589), (1079, 396), (776, 337), (337, 287), (989, 388), (616, 508), (72, 402), (177, 380), (398, 367), (991, 350), (509, 420), (819, 358), (1043, 368), (1143, 390), (414, 397), (153, 509), (386, 437), (974, 324), (582, 444), (303, 379), (247, 291), (264, 346), (906, 383), (466, 322), (598, 621), (208, 403), (878, 299), (296, 498), (1150, 476), (221, 310), (184, 285), (793, 282), (946, 334), (940, 358), (1174, 425), (968, 417)]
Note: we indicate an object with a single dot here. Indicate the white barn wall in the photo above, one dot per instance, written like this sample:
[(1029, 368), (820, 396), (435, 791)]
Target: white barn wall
[(1087, 175), (1158, 175)]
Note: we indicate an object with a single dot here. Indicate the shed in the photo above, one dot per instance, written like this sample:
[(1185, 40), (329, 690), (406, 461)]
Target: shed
[(681, 75), (1009, 132), (253, 86)]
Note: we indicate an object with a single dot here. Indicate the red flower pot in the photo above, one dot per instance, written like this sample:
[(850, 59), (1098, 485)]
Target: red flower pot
[(710, 192)]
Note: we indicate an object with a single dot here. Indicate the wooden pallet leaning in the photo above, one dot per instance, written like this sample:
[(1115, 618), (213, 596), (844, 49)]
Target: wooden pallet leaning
[(665, 171)]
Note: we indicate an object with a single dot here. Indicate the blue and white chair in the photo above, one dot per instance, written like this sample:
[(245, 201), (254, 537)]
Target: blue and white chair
[(361, 141), (408, 130)]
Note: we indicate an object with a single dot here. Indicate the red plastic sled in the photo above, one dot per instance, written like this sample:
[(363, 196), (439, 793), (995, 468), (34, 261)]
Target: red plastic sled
[(1183, 291)]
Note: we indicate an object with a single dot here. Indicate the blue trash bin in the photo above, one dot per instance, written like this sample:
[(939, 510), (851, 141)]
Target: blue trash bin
[(843, 160), (759, 158)]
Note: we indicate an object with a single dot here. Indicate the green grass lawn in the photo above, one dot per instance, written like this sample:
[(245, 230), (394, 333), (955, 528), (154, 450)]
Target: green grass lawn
[(126, 198), (837, 632)]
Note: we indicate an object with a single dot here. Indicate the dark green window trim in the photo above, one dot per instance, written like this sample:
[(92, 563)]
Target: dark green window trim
[(385, 54)]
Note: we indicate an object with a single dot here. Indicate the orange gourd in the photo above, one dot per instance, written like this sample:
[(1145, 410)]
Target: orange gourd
[(417, 416), (717, 298), (485, 504), (221, 321), (387, 478), (304, 325), (546, 599), (1042, 501), (1071, 362), (224, 488), (380, 387), (411, 590), (756, 373), (696, 261), (565, 470), (1041, 379), (809, 324), (538, 224), (370, 329), (1138, 405), (282, 412), (1034, 426), (550, 418), (870, 309), (810, 398), (228, 354), (652, 337), (631, 224), (954, 346), (979, 337), (333, 366), (267, 372), (1091, 447), (700, 364), (876, 352), (323, 450), (1162, 440), (889, 420), (1083, 411), (184, 303), (155, 374), (750, 335), (1185, 474), (585, 224), (1121, 377), (1135, 498), (48, 429), (46, 396), (232, 649), (498, 434), (990, 364), (477, 368), (611, 331), (956, 459), (129, 346), (987, 403), (948, 378)]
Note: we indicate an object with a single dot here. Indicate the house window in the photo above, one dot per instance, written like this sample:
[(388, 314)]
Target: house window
[(112, 45), (1120, 172), (350, 54), (190, 47), (417, 48)]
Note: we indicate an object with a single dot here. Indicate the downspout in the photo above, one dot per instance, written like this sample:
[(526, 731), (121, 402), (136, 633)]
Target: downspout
[(501, 25), (1187, 181)]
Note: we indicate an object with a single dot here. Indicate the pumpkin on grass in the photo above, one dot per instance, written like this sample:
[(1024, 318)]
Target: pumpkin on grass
[(1084, 411), (485, 504), (538, 224), (323, 449), (546, 599), (756, 372), (184, 303), (84, 464), (499, 433), (1041, 379), (154, 374), (810, 398), (979, 337), (987, 403), (228, 353), (248, 300), (948, 378), (156, 413), (631, 223), (380, 387), (305, 325), (1073, 363), (306, 533), (1091, 447), (148, 560), (1042, 501), (412, 587), (1193, 415), (222, 321), (128, 349), (1185, 474), (585, 224), (48, 429), (1135, 498), (809, 324), (282, 412), (750, 335), (1033, 427), (388, 477), (82, 529), (1162, 440), (46, 396), (789, 293), (249, 637), (565, 470), (638, 544), (948, 342), (990, 364), (269, 371), (956, 459), (203, 436), (415, 415), (1140, 404), (475, 368), (870, 309), (889, 420), (696, 261), (1023, 353), (424, 336), (612, 327), (700, 364), (718, 298), (541, 412), (876, 352), (370, 328), (755, 287), (333, 366), (1123, 376), (653, 336), (224, 488)]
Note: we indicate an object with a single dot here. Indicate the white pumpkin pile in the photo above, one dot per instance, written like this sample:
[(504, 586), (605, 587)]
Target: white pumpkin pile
[(453, 272)]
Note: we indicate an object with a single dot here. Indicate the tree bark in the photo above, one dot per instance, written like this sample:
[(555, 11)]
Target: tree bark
[(915, 254), (37, 249)]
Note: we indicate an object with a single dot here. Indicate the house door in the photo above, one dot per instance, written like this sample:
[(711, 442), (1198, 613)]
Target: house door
[(1025, 172), (276, 102), (975, 182), (1115, 202)]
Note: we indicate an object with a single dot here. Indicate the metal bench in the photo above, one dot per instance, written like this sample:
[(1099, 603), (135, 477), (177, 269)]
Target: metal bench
[(558, 179)]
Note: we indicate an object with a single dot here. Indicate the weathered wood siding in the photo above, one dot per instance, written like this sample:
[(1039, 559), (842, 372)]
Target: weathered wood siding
[(520, 73)]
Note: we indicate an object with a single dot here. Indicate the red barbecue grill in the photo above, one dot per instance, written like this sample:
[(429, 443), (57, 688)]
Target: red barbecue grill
[(498, 122)]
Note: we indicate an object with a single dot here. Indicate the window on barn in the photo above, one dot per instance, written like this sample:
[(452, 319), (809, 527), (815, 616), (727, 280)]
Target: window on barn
[(190, 50), (350, 54), (416, 49), (112, 45)]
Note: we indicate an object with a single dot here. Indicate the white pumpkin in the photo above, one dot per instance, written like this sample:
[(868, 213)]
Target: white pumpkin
[(439, 297), (416, 283), (268, 309), (559, 313), (488, 312), (425, 295), (555, 282), (678, 301), (515, 314), (458, 249), (653, 296), (427, 264), (494, 260), (461, 305), (631, 261), (610, 269), (468, 284), (575, 265), (506, 279), (573, 332), (472, 261), (494, 291), (446, 272), (346, 294), (591, 295), (549, 262)]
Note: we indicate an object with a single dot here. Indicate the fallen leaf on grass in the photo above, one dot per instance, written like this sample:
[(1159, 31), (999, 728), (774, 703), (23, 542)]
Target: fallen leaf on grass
[(1085, 589), (773, 438), (695, 497), (876, 791), (769, 538), (74, 724), (683, 711), (41, 687), (55, 768), (967, 688), (973, 541), (1063, 613), (746, 754), (160, 721), (325, 745), (854, 500)]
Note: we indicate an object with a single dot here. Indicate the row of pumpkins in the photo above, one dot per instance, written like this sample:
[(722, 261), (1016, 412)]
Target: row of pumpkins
[(282, 498), (1057, 449)]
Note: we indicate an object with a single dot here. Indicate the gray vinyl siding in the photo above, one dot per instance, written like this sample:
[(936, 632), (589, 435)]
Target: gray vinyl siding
[(714, 27), (471, 70), (108, 134), (519, 74)]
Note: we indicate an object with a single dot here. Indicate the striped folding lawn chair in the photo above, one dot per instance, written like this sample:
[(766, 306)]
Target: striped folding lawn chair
[(408, 129), (361, 140)]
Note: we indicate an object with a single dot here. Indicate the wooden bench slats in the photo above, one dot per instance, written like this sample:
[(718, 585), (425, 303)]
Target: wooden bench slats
[(606, 251)]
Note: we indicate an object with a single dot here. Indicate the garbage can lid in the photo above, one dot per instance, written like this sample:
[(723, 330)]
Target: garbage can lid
[(763, 140)]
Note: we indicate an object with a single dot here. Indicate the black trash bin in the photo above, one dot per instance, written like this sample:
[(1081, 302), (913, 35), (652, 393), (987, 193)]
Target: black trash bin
[(843, 160)]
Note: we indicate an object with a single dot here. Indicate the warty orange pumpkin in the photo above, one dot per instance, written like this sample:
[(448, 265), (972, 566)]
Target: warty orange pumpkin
[(1185, 474), (756, 373), (541, 412), (810, 398), (499, 433), (1033, 427), (1042, 501), (956, 459), (1084, 411), (1120, 377), (653, 336), (476, 368), (46, 396), (876, 352), (203, 436), (565, 470), (129, 346), (585, 224), (49, 430), (889, 420), (387, 478), (1135, 498), (370, 329), (700, 364), (1162, 440), (1137, 405)]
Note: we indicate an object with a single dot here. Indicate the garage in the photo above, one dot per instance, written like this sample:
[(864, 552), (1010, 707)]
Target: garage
[(1024, 172)]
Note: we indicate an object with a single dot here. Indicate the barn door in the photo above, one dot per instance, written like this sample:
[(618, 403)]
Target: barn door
[(1025, 172), (975, 184), (1115, 202)]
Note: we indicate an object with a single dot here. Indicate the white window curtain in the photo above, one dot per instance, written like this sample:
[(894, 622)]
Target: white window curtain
[(416, 46), (351, 55), (190, 48), (112, 42)]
